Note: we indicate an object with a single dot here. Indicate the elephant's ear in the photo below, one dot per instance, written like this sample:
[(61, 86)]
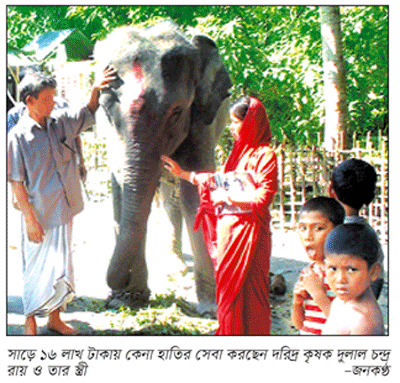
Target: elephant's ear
[(214, 81)]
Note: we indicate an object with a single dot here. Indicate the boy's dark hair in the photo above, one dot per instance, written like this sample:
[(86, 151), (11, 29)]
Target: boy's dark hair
[(353, 239), (33, 83), (354, 182), (329, 207)]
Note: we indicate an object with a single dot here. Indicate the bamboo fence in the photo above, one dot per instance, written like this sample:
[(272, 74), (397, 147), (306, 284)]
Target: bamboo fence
[(304, 173)]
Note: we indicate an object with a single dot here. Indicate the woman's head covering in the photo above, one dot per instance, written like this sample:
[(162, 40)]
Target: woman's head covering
[(254, 132)]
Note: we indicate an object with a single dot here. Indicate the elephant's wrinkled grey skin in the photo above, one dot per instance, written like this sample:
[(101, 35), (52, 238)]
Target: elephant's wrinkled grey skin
[(171, 97)]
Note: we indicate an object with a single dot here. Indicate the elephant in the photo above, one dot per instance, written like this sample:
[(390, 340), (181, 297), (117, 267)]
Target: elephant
[(170, 97)]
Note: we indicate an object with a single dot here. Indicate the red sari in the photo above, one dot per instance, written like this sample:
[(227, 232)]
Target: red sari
[(241, 243)]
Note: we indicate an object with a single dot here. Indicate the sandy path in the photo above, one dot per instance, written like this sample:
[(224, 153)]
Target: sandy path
[(93, 245)]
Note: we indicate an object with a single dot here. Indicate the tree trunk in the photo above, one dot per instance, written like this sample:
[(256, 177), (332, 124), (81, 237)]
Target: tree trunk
[(336, 114)]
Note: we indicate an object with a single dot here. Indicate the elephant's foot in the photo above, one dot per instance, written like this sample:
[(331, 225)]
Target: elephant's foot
[(129, 299), (207, 309), (206, 295)]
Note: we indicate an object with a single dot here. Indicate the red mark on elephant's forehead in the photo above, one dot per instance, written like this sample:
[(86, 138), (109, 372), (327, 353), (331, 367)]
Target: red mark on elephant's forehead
[(134, 94), (137, 70), (134, 88), (134, 81)]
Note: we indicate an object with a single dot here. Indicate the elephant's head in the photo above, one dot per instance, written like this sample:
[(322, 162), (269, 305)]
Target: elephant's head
[(167, 95)]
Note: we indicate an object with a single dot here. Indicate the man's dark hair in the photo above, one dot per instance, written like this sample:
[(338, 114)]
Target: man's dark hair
[(354, 183), (329, 207), (33, 83), (353, 239)]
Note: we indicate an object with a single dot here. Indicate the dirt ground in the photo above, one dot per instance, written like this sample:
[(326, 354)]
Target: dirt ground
[(93, 245)]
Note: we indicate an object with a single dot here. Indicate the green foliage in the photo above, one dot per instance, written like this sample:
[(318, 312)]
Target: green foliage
[(165, 315), (271, 52), (24, 23), (365, 38), (266, 59)]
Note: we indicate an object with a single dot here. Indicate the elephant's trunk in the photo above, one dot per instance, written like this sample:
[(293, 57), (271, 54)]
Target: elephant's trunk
[(127, 270)]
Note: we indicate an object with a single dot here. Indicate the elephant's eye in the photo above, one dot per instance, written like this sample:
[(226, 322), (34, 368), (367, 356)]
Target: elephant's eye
[(174, 116)]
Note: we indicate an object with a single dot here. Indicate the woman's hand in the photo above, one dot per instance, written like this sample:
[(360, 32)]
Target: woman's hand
[(219, 196), (171, 166), (175, 169)]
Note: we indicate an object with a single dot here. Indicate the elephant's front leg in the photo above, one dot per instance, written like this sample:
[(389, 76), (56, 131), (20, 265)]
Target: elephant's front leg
[(117, 202), (127, 273), (203, 268), (169, 193)]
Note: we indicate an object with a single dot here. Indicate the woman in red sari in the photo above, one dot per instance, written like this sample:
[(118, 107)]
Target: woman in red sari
[(236, 227)]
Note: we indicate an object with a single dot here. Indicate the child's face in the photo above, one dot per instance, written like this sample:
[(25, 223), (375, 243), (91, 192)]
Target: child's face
[(348, 276), (313, 227)]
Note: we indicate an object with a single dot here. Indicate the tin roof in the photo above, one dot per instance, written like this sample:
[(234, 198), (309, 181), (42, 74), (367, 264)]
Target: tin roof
[(77, 46)]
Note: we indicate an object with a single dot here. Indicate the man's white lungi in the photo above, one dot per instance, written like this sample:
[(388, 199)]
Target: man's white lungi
[(48, 274)]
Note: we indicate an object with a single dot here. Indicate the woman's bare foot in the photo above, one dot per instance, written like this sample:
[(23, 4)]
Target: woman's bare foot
[(56, 324), (30, 326)]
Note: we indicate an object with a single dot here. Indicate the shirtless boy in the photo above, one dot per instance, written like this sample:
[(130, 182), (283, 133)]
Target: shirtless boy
[(351, 265)]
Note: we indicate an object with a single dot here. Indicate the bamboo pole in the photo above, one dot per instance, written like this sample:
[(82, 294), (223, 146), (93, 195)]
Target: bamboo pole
[(368, 143), (325, 165), (314, 170), (292, 177), (384, 179), (303, 177), (282, 186)]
